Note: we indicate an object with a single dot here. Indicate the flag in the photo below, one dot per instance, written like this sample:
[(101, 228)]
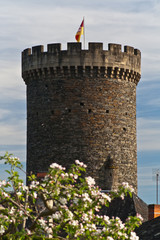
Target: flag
[(79, 32)]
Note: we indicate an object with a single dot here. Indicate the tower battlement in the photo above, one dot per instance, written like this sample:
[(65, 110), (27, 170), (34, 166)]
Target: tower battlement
[(73, 61)]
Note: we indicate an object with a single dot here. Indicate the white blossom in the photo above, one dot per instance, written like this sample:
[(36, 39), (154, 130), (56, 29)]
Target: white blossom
[(62, 175), (105, 196), (63, 201), (55, 165), (34, 184), (75, 176), (90, 181), (48, 230), (91, 226), (120, 233), (2, 229), (2, 183), (127, 186), (28, 231), (42, 222), (57, 215), (80, 163), (19, 194), (68, 195), (139, 216), (74, 222), (98, 232), (94, 193), (24, 187), (106, 219), (75, 200), (109, 238), (119, 223), (70, 214), (5, 194), (85, 217), (20, 213), (122, 196), (134, 236), (34, 194), (12, 211), (86, 197)]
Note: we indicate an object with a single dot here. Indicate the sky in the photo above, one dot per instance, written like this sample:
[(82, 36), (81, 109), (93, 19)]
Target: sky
[(135, 23)]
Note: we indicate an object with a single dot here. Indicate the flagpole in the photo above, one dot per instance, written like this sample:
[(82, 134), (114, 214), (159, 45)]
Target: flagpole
[(83, 34)]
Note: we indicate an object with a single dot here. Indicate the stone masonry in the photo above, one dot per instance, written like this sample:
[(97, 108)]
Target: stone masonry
[(81, 104)]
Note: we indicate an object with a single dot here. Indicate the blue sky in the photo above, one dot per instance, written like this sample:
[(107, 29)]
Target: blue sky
[(135, 23)]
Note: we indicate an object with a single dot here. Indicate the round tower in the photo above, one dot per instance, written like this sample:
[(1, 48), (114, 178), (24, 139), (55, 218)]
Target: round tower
[(81, 104)]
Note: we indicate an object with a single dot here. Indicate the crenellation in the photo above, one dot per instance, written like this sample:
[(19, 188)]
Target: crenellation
[(37, 50), (129, 50), (114, 48), (137, 52), (26, 52), (54, 48), (74, 47), (93, 47)]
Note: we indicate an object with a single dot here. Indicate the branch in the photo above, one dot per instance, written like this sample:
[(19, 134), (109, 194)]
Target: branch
[(43, 213), (19, 206), (25, 207)]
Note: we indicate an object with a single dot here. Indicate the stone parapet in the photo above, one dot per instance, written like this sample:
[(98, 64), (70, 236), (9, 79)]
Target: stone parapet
[(75, 61)]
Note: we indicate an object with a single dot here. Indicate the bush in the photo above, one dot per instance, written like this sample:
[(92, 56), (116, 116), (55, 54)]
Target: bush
[(64, 205)]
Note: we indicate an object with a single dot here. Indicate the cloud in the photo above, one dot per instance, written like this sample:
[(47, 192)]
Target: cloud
[(148, 134), (17, 151), (146, 177), (60, 18), (12, 121), (154, 102), (4, 113), (13, 133)]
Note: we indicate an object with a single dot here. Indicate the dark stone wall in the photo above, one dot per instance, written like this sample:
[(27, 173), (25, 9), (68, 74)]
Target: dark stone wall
[(82, 112), (129, 206)]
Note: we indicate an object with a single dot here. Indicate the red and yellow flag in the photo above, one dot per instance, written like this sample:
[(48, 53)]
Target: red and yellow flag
[(80, 32)]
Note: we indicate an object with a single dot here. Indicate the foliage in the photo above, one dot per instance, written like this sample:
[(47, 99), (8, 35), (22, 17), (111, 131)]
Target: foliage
[(64, 205)]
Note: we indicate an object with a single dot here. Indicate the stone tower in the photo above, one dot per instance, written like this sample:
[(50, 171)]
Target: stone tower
[(81, 104)]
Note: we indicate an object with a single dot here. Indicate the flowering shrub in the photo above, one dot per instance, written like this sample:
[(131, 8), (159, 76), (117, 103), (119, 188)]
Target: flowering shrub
[(64, 205)]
